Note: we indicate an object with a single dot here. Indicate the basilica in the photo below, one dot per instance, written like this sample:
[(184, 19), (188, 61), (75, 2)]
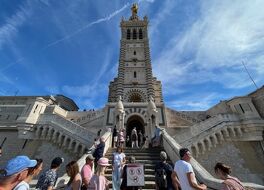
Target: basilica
[(231, 131)]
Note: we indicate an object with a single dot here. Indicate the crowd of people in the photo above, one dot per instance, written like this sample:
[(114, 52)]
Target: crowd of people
[(136, 139), (19, 171)]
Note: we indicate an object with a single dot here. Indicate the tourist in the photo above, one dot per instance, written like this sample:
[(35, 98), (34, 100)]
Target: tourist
[(134, 138), (140, 139), (124, 186), (32, 172), (87, 170), (155, 141), (117, 164), (121, 138), (183, 169), (98, 180), (230, 183), (127, 141), (15, 171), (163, 174), (146, 139), (115, 137), (75, 182), (99, 133), (99, 151), (47, 180)]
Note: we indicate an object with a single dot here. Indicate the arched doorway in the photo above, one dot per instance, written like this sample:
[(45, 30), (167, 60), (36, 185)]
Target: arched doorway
[(134, 121)]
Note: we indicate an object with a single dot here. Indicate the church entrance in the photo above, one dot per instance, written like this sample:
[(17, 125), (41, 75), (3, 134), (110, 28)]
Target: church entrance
[(134, 121)]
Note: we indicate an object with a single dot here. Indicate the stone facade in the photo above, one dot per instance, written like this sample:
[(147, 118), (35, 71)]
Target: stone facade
[(35, 125)]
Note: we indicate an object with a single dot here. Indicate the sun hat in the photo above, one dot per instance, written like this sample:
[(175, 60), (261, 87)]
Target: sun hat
[(103, 162), (89, 157), (18, 164)]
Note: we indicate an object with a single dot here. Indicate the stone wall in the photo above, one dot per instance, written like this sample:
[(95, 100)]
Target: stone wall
[(245, 158), (47, 151), (14, 146)]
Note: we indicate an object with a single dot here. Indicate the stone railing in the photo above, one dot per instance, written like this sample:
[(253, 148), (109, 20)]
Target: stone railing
[(69, 127), (62, 181), (172, 148), (207, 134)]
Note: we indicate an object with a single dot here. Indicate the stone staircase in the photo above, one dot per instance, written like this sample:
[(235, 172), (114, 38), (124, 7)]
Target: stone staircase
[(149, 157)]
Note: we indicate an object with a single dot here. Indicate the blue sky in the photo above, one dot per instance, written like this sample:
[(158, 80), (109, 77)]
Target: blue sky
[(72, 48)]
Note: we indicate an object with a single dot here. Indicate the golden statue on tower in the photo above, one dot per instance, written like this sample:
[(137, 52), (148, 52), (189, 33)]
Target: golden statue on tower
[(134, 9)]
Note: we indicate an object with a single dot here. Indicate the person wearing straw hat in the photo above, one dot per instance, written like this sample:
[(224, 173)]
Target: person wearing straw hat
[(99, 181)]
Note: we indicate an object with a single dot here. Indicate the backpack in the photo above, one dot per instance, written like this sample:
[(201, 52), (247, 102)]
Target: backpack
[(161, 178)]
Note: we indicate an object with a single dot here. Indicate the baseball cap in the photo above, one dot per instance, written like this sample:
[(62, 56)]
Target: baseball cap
[(89, 157), (18, 164)]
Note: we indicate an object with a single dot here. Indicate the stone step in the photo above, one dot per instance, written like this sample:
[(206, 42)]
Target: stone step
[(143, 161), (147, 171), (148, 177), (148, 185)]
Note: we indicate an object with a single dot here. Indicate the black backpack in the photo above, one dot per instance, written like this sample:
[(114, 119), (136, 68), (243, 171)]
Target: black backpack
[(161, 177)]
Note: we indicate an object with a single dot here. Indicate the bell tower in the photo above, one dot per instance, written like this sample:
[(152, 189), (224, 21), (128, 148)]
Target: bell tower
[(135, 81)]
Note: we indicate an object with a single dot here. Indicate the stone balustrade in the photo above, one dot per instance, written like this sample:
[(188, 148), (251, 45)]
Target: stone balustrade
[(60, 131), (172, 148), (62, 181), (215, 130)]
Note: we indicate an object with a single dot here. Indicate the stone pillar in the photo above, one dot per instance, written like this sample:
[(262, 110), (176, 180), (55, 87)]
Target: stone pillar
[(76, 147), (37, 133), (43, 133)]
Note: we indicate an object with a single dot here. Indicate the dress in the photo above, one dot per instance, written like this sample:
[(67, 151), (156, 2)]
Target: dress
[(156, 138), (232, 183), (69, 186), (98, 183), (117, 170), (22, 186), (182, 168), (46, 179)]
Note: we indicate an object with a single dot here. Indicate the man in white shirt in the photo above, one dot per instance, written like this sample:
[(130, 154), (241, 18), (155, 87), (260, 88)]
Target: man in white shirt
[(184, 171)]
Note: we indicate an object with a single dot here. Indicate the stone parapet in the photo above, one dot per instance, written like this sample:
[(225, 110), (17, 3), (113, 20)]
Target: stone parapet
[(172, 148)]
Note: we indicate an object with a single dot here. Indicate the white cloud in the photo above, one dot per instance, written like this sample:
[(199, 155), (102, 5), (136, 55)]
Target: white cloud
[(215, 44), (192, 103), (11, 25), (107, 18)]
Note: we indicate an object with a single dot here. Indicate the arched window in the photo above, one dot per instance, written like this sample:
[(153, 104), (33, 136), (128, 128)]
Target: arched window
[(135, 74), (134, 34), (135, 53), (128, 34), (140, 34), (135, 98)]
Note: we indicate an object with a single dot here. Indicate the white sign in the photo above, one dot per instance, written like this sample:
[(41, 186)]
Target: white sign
[(135, 175)]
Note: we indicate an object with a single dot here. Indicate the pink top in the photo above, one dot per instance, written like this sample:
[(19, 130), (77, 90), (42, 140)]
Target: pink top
[(86, 172), (232, 183), (98, 183)]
